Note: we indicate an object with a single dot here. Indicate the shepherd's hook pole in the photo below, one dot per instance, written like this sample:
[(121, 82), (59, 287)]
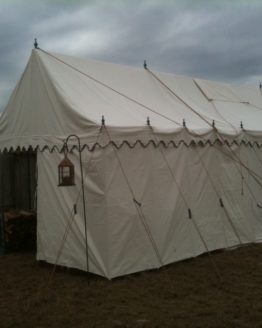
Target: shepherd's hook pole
[(83, 193)]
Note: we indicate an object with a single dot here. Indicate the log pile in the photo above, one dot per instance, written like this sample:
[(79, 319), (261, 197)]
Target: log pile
[(18, 230)]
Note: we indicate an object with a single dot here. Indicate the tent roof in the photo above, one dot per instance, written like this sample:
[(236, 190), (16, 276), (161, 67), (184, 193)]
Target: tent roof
[(59, 95)]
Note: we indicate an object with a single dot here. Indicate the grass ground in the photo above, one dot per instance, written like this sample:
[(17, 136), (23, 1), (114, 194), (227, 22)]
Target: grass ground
[(184, 294)]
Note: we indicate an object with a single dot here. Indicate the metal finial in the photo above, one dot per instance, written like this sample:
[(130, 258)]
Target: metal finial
[(103, 120), (213, 124), (145, 64), (241, 125), (36, 44), (184, 123), (148, 121)]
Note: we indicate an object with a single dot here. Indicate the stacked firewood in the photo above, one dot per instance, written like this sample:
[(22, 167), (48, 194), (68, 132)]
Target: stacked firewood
[(18, 230)]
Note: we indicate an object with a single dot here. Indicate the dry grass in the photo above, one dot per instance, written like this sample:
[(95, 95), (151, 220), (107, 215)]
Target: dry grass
[(185, 294)]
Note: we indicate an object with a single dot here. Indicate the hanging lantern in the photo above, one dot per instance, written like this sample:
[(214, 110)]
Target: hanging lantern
[(66, 173)]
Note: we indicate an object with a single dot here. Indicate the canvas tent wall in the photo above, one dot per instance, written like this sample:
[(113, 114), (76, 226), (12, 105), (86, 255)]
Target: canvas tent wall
[(154, 194)]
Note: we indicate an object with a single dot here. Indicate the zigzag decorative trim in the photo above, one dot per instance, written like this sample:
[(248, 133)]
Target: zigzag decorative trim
[(132, 145)]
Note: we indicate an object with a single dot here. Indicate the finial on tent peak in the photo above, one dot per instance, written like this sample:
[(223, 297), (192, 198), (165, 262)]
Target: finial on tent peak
[(184, 123), (36, 44), (145, 64), (241, 125), (148, 121), (213, 124), (103, 120)]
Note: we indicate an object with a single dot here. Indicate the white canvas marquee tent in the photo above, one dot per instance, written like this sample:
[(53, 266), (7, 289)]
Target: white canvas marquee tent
[(172, 172)]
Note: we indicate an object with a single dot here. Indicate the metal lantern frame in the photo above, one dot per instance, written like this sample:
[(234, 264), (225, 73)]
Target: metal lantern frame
[(66, 173)]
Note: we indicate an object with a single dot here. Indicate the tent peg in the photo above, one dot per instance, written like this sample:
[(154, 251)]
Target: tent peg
[(213, 124), (36, 44), (103, 120), (241, 125), (145, 64), (184, 123), (148, 121)]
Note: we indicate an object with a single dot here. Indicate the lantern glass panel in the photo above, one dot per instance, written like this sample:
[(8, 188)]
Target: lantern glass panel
[(66, 171)]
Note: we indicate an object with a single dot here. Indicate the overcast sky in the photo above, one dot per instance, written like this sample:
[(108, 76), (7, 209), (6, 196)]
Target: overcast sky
[(217, 40)]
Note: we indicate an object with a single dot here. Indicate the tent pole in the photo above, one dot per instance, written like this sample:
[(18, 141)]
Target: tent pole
[(29, 180)]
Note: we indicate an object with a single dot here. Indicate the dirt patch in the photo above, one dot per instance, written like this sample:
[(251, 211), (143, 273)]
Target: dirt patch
[(184, 294)]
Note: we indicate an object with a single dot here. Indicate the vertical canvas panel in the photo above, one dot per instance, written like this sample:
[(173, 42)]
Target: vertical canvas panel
[(61, 233)]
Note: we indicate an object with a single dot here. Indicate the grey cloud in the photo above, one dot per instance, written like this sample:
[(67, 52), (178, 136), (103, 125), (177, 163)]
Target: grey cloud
[(220, 41)]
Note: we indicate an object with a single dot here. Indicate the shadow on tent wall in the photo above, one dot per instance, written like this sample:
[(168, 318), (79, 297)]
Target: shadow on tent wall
[(18, 182)]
